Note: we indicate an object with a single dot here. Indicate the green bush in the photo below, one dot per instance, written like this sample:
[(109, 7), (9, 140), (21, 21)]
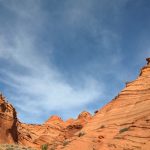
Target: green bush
[(10, 148), (14, 147), (65, 143), (44, 147), (123, 130)]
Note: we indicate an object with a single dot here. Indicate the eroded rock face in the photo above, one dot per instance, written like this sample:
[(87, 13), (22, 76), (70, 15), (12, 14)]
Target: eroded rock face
[(54, 120), (124, 123), (85, 116), (53, 132), (148, 61), (73, 126), (37, 135), (8, 122)]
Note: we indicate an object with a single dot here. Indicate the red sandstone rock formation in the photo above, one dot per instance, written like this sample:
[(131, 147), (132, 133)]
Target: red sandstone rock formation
[(36, 135), (53, 132), (123, 124), (54, 120), (8, 120)]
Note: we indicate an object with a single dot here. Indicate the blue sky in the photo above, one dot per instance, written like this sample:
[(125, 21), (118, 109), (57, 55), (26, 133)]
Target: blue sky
[(62, 57)]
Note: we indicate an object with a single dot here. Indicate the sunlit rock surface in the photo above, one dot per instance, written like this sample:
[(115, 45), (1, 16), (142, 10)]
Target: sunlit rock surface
[(124, 123)]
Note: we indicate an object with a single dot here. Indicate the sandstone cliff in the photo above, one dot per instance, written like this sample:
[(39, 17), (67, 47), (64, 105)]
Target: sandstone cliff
[(8, 122), (124, 123)]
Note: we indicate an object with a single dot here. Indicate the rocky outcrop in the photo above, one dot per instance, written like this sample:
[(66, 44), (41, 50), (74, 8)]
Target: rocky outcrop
[(37, 135), (8, 122), (54, 120), (75, 125), (148, 61), (85, 116), (53, 132)]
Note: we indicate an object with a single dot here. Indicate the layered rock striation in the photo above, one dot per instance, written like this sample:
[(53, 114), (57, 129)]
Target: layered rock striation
[(54, 132), (124, 123), (8, 122)]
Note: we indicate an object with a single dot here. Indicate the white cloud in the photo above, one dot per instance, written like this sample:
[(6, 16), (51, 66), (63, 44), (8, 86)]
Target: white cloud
[(42, 87)]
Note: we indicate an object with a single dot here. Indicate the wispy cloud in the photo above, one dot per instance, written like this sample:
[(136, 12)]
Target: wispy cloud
[(39, 88), (34, 82), (42, 87)]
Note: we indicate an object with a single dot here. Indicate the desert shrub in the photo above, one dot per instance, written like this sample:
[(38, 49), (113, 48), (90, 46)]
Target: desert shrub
[(14, 147), (9, 148), (81, 134), (44, 147), (117, 137), (65, 143), (123, 130)]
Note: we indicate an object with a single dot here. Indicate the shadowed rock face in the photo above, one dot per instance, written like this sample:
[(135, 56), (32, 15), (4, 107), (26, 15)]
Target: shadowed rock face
[(148, 61), (123, 124), (8, 122)]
